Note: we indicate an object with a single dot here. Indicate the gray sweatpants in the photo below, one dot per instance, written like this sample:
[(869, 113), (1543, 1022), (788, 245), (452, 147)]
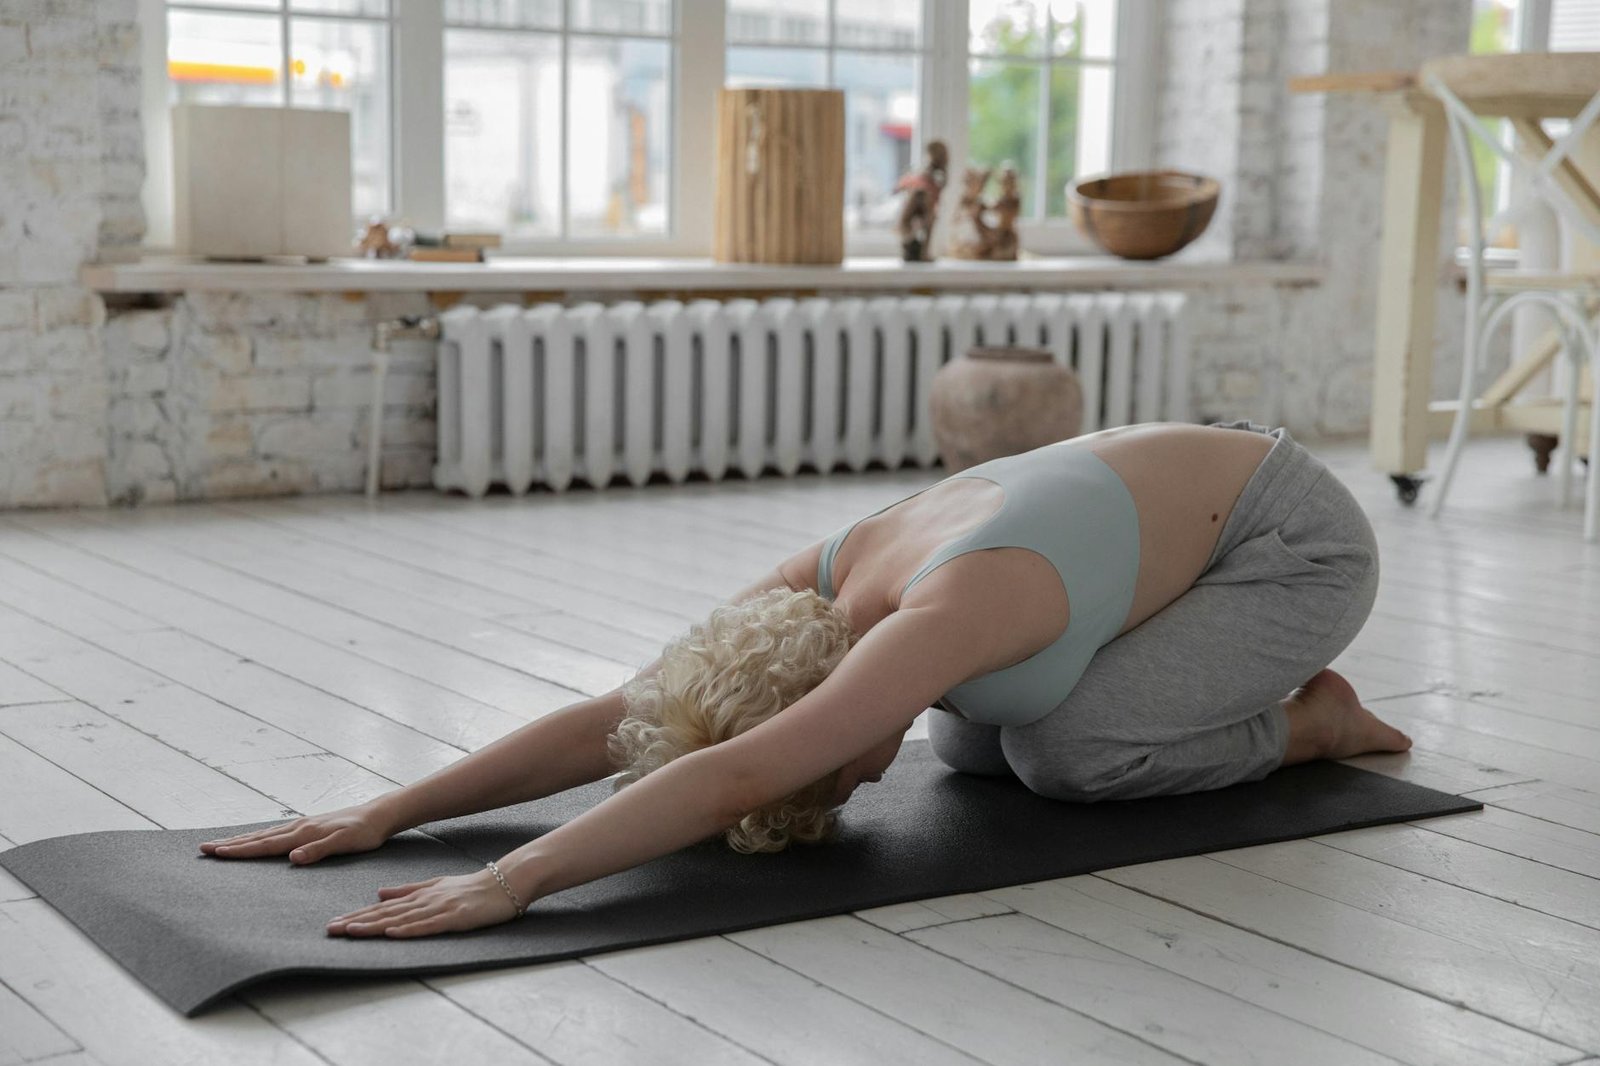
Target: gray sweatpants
[(1189, 699)]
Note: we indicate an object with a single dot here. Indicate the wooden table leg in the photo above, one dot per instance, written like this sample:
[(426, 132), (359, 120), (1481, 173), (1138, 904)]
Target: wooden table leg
[(1407, 277)]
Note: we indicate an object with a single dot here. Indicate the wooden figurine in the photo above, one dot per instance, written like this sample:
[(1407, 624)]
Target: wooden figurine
[(921, 207), (376, 241), (970, 234)]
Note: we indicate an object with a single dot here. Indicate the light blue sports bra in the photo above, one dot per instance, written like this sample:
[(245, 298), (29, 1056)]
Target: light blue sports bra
[(1068, 505)]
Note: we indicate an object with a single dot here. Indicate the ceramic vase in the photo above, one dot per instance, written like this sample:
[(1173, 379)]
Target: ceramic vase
[(1001, 401)]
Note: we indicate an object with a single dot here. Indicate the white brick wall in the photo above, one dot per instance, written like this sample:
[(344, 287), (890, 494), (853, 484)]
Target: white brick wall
[(240, 394), (70, 160), (1302, 178)]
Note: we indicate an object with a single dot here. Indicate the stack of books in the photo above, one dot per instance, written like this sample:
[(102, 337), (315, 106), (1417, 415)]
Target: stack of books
[(452, 247)]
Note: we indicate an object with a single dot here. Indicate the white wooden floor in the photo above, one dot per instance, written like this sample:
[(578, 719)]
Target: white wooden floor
[(211, 665)]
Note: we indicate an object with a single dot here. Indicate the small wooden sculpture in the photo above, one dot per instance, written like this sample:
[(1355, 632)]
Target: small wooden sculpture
[(970, 236), (973, 235), (921, 207), (377, 243)]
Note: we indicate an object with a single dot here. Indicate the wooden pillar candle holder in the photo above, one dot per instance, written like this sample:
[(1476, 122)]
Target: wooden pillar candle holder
[(780, 176)]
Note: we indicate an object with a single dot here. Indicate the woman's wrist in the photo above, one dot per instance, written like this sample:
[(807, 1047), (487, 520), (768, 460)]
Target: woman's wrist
[(528, 873), (392, 811)]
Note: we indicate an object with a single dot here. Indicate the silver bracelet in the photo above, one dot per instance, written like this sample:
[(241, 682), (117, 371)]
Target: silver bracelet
[(515, 902)]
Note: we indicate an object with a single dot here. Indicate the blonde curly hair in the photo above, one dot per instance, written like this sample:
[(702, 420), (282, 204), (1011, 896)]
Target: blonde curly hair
[(743, 665)]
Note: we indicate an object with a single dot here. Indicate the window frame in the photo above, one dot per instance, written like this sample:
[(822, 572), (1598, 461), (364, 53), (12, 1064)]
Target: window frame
[(416, 71)]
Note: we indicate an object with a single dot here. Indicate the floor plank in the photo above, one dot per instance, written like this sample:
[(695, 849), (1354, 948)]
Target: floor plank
[(290, 633), (1429, 962), (716, 977), (101, 669), (26, 1035), (81, 991), (1364, 1007), (1111, 987), (400, 1022), (988, 1018), (573, 1014)]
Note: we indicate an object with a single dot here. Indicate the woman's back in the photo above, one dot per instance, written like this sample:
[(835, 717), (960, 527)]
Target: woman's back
[(1182, 481)]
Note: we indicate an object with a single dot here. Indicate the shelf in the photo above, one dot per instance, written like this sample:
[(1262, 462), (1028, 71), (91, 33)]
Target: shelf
[(528, 274)]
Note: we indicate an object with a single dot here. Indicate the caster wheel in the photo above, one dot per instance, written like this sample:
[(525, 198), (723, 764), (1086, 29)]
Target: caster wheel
[(1542, 444), (1406, 487)]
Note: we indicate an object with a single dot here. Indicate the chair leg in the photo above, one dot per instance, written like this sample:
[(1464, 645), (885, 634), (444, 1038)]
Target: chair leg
[(1569, 421), (1591, 492), (1458, 428)]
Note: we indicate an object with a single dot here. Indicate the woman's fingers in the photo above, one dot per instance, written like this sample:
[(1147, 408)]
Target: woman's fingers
[(405, 890), (438, 923), (367, 914), (379, 917), (273, 844), (316, 849), (244, 838)]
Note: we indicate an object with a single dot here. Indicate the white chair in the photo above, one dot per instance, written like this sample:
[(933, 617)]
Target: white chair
[(1492, 296)]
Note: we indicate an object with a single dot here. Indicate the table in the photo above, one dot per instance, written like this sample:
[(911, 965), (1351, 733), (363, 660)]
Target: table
[(1403, 418)]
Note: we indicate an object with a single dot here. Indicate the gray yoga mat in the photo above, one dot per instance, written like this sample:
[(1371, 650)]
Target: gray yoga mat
[(194, 928)]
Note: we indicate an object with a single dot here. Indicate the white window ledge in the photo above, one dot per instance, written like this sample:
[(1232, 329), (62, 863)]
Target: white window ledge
[(518, 274)]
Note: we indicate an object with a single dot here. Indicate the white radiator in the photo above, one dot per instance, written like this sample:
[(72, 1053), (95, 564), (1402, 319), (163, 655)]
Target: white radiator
[(551, 393)]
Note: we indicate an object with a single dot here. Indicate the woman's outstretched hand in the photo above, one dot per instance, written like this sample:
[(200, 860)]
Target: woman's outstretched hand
[(422, 908), (316, 836)]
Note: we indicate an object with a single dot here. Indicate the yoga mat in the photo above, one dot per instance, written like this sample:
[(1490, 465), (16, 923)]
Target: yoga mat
[(194, 928)]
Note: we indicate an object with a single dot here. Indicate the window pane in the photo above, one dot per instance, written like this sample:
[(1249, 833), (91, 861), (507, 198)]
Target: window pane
[(884, 24), (793, 68), (254, 5), (502, 119), (365, 8), (1080, 129), (778, 21), (619, 131), (537, 14), (1083, 28), (1574, 25), (880, 130), (1006, 27), (344, 66), (1003, 123), (224, 59), (623, 16)]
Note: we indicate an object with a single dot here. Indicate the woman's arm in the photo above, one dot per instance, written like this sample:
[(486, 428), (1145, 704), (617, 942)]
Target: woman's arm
[(892, 675), (562, 750), (559, 751)]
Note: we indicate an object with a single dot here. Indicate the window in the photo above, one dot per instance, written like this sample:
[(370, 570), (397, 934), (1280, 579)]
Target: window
[(557, 116), (331, 54), (1041, 75), (872, 51), (1526, 26), (587, 126)]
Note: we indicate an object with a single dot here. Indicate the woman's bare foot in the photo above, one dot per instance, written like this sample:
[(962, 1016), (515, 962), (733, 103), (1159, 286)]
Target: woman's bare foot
[(1327, 721)]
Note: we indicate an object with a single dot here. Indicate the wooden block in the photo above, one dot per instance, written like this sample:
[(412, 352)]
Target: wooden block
[(780, 176)]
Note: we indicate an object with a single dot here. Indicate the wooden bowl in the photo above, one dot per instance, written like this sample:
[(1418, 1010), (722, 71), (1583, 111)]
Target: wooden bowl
[(1143, 214)]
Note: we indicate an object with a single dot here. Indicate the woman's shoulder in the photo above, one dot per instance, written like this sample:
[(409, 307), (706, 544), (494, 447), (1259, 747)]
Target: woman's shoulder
[(799, 570)]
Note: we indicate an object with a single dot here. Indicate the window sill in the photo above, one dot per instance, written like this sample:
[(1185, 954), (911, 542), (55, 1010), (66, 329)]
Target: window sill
[(519, 274)]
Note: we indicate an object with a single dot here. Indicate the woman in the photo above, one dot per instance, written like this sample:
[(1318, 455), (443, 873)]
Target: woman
[(1145, 610)]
